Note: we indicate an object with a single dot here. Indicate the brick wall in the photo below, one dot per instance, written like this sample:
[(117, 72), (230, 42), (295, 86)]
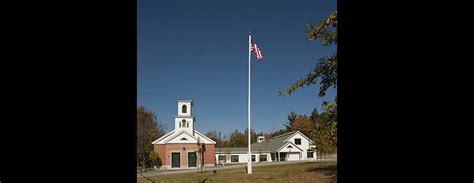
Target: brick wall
[(209, 157), (160, 150), (165, 150)]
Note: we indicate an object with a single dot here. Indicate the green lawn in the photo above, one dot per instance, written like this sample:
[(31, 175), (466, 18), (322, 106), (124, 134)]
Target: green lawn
[(301, 172)]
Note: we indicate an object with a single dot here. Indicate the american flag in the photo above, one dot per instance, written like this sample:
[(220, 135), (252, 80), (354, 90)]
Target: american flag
[(256, 50)]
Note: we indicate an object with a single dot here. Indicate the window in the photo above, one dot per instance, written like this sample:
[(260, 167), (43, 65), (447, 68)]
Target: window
[(234, 158), (253, 158), (263, 157), (179, 124), (187, 124), (221, 157), (184, 138), (298, 141), (184, 123), (184, 109), (309, 153), (290, 146)]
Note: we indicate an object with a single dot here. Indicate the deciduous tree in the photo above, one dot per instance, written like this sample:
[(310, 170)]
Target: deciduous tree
[(325, 71), (303, 124), (212, 135), (148, 130)]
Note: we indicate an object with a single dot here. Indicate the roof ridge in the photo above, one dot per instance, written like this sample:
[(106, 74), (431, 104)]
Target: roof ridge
[(199, 133), (164, 136), (283, 134)]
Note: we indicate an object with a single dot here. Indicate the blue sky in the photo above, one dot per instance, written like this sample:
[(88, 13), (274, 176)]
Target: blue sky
[(199, 51)]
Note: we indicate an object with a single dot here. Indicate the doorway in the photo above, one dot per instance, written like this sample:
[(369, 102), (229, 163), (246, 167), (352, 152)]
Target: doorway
[(175, 163), (192, 159)]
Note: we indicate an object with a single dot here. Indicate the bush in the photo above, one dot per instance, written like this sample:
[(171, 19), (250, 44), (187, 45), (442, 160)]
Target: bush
[(154, 159)]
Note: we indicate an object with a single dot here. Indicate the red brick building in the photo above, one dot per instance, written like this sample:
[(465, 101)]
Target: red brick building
[(180, 148)]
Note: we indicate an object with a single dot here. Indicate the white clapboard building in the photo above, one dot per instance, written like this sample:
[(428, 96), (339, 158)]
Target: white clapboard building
[(292, 146)]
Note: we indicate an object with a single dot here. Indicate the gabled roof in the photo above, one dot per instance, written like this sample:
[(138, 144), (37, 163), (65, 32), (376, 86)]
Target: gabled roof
[(173, 134), (178, 134), (289, 143), (285, 134), (205, 137), (270, 145), (163, 137), (298, 132)]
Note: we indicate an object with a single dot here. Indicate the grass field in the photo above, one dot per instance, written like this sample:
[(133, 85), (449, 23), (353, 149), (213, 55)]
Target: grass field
[(301, 172)]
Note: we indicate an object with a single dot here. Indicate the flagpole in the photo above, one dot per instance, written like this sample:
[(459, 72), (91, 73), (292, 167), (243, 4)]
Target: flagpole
[(249, 161)]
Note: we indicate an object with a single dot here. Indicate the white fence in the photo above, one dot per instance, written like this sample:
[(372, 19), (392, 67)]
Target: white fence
[(326, 157)]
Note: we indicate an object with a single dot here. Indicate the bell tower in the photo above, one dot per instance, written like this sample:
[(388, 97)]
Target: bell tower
[(184, 120)]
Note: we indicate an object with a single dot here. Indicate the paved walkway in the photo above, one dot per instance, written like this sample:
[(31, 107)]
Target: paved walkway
[(205, 169)]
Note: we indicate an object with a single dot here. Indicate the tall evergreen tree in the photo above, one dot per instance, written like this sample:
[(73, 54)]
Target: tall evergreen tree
[(291, 119)]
